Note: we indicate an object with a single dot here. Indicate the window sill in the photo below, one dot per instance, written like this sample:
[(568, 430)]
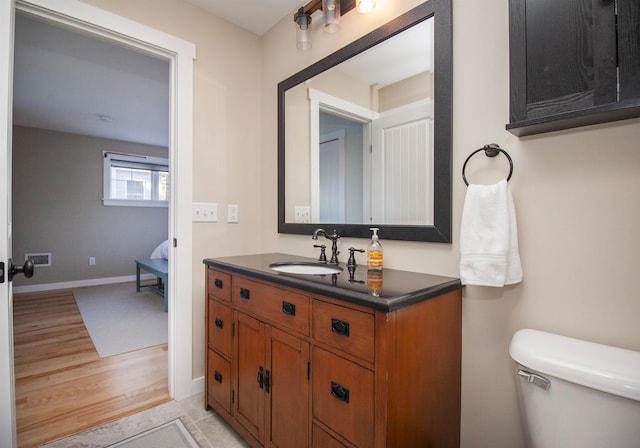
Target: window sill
[(134, 203)]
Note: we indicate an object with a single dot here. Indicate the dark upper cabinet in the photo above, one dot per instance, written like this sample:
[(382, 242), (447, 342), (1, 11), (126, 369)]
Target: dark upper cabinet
[(572, 63)]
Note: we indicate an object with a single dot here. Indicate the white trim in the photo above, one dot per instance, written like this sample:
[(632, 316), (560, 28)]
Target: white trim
[(180, 54), (134, 203), (80, 283), (323, 101), (7, 378), (197, 385), (141, 159)]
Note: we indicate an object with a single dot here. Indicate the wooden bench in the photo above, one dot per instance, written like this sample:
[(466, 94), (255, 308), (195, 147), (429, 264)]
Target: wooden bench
[(160, 268)]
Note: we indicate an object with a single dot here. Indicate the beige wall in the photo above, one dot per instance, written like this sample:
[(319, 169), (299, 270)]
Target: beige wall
[(577, 195), (57, 207), (227, 133), (577, 192)]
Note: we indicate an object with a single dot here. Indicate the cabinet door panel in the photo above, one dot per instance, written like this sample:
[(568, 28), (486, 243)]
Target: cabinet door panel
[(289, 391), (343, 397), (219, 327), (344, 328), (219, 285), (323, 440), (250, 358), (219, 380)]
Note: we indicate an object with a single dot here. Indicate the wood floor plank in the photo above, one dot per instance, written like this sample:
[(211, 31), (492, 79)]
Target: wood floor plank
[(62, 386)]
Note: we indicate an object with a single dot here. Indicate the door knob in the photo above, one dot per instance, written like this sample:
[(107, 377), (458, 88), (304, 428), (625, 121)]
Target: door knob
[(26, 269)]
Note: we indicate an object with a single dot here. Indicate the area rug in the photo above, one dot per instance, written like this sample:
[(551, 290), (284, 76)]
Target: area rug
[(170, 435), (121, 320)]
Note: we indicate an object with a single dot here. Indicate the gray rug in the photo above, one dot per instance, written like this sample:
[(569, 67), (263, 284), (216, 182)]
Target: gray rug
[(121, 320), (170, 435)]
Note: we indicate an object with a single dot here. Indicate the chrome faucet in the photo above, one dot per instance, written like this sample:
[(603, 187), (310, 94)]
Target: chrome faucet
[(334, 243)]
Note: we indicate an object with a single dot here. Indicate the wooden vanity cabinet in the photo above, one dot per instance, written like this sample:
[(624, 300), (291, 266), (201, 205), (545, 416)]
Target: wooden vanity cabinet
[(313, 371)]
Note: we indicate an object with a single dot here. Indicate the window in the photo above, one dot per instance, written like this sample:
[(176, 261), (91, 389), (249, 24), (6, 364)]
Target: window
[(135, 180)]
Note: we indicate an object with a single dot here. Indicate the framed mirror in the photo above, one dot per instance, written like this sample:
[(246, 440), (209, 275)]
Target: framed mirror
[(364, 135)]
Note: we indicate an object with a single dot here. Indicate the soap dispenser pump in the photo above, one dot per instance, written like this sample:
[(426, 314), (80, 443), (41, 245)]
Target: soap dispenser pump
[(374, 252)]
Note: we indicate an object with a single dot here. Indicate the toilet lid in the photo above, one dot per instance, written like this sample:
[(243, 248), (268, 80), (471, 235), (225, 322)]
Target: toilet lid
[(602, 367)]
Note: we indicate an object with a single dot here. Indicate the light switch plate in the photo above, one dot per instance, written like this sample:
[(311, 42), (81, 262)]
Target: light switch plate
[(232, 213), (204, 212), (302, 214)]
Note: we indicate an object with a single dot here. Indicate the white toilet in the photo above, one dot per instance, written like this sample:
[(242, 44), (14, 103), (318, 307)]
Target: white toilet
[(574, 393)]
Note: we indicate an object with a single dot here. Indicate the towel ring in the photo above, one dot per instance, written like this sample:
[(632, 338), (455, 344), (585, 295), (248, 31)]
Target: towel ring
[(490, 150)]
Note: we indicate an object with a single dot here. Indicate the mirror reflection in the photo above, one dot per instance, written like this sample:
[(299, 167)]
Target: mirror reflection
[(359, 137)]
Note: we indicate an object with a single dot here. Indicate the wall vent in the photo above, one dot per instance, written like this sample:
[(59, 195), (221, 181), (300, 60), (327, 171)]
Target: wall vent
[(41, 259)]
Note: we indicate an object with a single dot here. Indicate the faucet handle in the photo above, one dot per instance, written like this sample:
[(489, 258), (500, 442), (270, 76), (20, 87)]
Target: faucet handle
[(323, 254), (352, 259)]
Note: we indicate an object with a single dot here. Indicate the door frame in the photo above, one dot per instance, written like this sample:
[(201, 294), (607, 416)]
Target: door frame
[(180, 54)]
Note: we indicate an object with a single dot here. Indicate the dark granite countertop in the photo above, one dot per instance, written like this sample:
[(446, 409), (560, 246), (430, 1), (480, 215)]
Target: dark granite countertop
[(399, 288)]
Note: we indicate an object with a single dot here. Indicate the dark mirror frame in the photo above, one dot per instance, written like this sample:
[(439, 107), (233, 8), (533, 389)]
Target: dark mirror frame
[(441, 230)]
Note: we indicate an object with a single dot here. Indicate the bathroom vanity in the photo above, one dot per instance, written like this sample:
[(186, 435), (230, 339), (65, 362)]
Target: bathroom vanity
[(297, 360)]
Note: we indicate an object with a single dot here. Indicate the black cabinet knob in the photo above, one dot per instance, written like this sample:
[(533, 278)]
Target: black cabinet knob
[(339, 326)]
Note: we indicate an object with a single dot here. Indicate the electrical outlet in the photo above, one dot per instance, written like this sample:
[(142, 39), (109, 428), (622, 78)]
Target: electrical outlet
[(92, 261), (204, 212), (302, 214), (232, 213)]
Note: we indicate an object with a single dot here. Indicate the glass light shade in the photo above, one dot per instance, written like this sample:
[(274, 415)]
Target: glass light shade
[(331, 13), (303, 37), (365, 6)]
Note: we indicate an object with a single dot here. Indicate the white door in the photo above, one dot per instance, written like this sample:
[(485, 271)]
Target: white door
[(7, 402), (332, 178), (402, 166), (181, 54)]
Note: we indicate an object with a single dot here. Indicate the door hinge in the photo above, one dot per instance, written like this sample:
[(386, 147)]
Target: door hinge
[(1, 272), (308, 370), (233, 329), (233, 396), (175, 242)]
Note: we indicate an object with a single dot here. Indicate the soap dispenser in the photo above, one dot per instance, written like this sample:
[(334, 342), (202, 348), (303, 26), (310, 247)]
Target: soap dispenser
[(374, 252)]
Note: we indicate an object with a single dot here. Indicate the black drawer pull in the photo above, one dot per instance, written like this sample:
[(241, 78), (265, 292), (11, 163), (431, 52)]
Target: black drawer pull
[(218, 322), (244, 293), (288, 308), (340, 392), (217, 376), (218, 283), (339, 326), (261, 377)]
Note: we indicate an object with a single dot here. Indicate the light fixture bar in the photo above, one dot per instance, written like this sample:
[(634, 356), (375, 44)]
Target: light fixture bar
[(315, 5)]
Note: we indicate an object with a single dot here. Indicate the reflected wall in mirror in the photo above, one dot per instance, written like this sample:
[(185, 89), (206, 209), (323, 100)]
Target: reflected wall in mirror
[(364, 135)]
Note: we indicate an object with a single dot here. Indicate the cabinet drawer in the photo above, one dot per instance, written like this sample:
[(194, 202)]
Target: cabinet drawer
[(286, 308), (323, 440), (219, 380), (343, 397), (219, 285), (220, 327), (344, 328)]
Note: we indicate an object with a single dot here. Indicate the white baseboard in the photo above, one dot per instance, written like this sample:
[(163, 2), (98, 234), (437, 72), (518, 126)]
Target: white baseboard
[(81, 283), (197, 386)]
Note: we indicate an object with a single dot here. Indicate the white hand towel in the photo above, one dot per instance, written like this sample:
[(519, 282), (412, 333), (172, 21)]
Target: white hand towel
[(489, 253)]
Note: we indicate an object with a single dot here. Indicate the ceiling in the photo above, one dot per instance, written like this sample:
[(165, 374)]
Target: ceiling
[(257, 16), (70, 82)]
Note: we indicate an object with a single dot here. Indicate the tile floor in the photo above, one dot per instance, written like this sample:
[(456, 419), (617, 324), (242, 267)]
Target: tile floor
[(208, 429)]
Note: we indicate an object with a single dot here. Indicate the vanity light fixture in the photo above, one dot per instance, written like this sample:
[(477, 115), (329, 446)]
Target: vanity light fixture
[(303, 22), (365, 6), (332, 10), (331, 13)]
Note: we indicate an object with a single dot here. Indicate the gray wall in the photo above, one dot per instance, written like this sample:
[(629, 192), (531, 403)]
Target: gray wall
[(57, 208)]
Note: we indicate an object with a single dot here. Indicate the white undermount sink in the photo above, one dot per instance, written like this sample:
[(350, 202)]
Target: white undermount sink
[(304, 267)]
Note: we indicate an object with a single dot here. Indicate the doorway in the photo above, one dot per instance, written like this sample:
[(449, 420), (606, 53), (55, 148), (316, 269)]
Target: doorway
[(180, 54)]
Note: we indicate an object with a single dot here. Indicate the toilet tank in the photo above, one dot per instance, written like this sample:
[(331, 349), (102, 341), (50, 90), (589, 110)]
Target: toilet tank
[(574, 393)]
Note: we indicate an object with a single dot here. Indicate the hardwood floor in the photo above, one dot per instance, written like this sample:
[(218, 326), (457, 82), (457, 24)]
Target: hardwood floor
[(62, 386)]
